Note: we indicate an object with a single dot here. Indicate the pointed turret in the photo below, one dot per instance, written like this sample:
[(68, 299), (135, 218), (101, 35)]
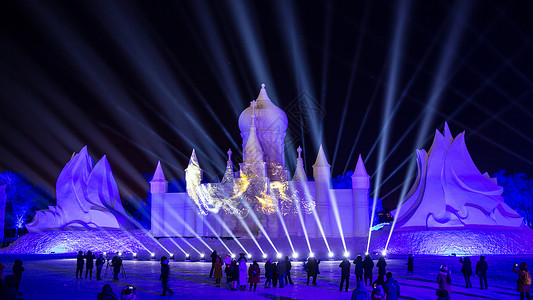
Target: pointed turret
[(253, 152), (229, 176), (263, 96), (158, 184), (193, 172), (361, 194), (321, 159), (299, 173)]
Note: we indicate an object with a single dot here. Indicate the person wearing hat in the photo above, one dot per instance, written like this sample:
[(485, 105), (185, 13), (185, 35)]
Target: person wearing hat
[(445, 279), (524, 280)]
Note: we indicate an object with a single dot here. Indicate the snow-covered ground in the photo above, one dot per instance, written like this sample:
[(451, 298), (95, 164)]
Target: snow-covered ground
[(52, 277)]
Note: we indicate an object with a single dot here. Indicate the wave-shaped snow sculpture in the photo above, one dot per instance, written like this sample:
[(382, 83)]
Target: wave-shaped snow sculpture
[(450, 191), (87, 197)]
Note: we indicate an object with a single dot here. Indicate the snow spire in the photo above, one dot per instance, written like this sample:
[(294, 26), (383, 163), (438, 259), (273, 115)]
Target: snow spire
[(263, 96), (193, 162), (159, 176), (447, 133), (299, 173), (360, 170), (321, 159), (253, 152), (229, 175)]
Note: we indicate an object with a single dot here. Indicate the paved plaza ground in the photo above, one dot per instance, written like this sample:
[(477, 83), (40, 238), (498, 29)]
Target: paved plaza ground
[(51, 277)]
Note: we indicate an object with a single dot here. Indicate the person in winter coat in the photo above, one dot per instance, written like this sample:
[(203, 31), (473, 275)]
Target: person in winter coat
[(445, 279), (227, 263), (218, 270), (288, 267), (242, 274), (275, 274), (360, 293), (116, 263), (466, 269), (254, 273), (281, 269), (268, 272), (100, 261), (392, 288), (214, 256), (443, 295), (107, 293), (89, 258), (17, 271), (481, 272), (358, 262), (165, 274), (234, 275), (128, 293), (524, 280), (382, 264), (312, 269), (79, 264), (378, 293), (345, 273), (368, 265), (410, 264)]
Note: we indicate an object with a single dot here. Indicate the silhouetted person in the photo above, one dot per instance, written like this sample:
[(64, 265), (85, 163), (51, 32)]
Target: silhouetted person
[(80, 260), (89, 258), (358, 262), (17, 271), (466, 269), (481, 271), (269, 273), (288, 267), (524, 280), (345, 273), (227, 263), (234, 274), (382, 264), (9, 289), (116, 263), (218, 270), (128, 293), (107, 293), (444, 279), (391, 287), (312, 269), (275, 274), (360, 293), (165, 274), (281, 272), (410, 264), (368, 265), (2, 267), (254, 273), (100, 261), (213, 258)]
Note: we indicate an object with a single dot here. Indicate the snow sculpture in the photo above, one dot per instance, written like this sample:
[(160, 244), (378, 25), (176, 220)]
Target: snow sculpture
[(87, 197), (450, 192), (3, 201)]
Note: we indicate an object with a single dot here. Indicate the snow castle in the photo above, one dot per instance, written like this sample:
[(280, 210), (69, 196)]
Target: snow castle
[(260, 199)]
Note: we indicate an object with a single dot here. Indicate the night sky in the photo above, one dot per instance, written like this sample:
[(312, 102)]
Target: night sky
[(151, 80)]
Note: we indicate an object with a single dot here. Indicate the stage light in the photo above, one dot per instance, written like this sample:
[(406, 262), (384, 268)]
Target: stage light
[(384, 253), (346, 254), (134, 255), (249, 255), (330, 255), (279, 255), (265, 255), (152, 255), (105, 254), (311, 254), (120, 253), (366, 253), (232, 255), (171, 255), (295, 255), (202, 256)]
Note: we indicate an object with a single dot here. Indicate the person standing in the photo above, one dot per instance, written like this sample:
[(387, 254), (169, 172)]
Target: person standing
[(80, 260), (524, 280), (213, 258), (116, 263), (165, 274), (312, 269), (345, 273), (288, 267), (466, 269), (382, 264), (234, 275), (227, 263), (268, 273), (100, 261), (218, 271), (392, 288), (358, 262), (368, 265), (89, 258), (281, 272), (274, 274), (242, 274), (444, 280), (481, 271), (17, 271), (254, 273), (410, 264)]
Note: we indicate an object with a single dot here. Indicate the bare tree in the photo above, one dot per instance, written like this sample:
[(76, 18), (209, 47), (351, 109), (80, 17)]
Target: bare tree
[(518, 193)]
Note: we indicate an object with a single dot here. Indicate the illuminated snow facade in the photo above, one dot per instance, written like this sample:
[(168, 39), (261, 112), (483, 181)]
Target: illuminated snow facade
[(261, 191), (87, 197), (450, 192)]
